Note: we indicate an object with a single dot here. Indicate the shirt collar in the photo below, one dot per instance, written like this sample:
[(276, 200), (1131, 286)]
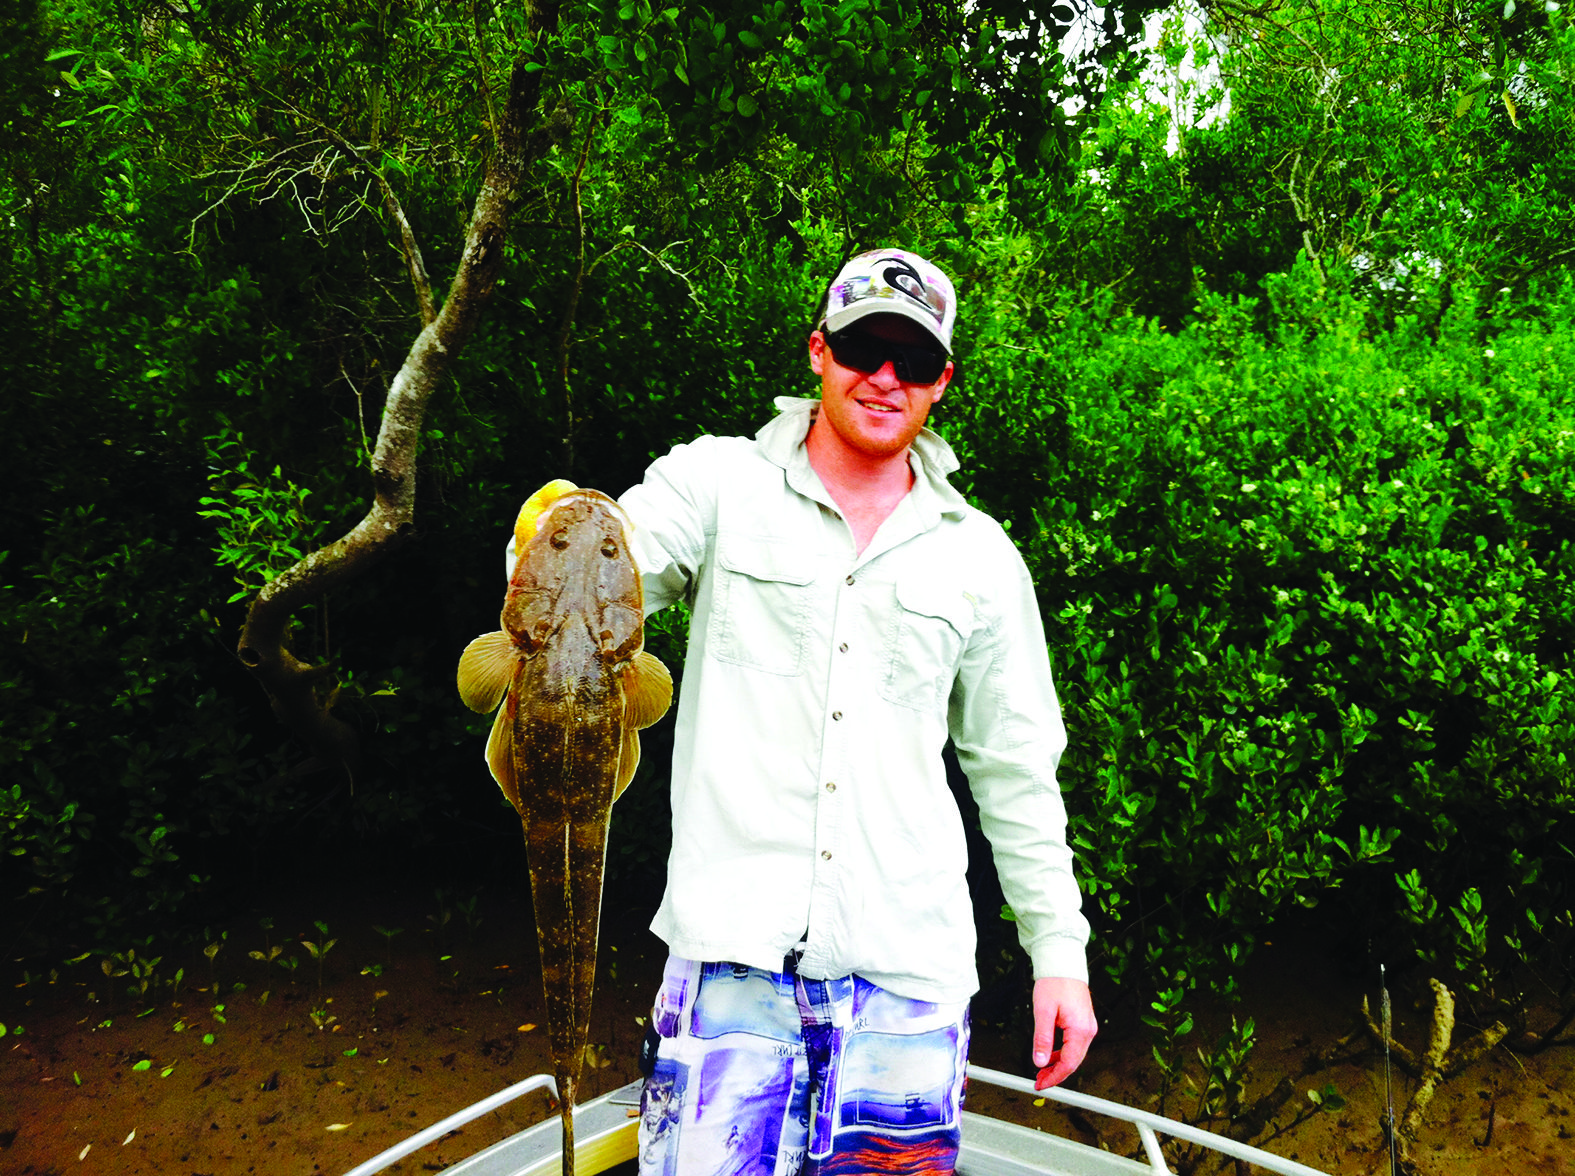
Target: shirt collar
[(781, 439)]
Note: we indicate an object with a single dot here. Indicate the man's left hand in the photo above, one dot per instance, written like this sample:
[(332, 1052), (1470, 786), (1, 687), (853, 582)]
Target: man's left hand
[(1061, 1004)]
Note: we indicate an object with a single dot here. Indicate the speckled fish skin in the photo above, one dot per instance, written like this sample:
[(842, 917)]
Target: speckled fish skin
[(564, 743)]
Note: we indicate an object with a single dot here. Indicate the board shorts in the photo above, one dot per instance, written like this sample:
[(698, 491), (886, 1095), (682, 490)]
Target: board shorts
[(771, 1074)]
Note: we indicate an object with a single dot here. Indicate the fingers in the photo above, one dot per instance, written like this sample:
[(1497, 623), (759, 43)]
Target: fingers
[(1065, 1005), (1064, 1061)]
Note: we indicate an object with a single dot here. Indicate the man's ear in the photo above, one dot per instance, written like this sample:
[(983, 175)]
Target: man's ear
[(940, 385), (817, 352)]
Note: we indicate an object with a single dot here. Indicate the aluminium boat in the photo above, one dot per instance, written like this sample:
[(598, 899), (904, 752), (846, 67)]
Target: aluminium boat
[(605, 1139)]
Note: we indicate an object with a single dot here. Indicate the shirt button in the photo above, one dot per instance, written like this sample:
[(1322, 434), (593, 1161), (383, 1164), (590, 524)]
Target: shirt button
[(825, 854), (843, 648), (836, 716), (850, 581), (831, 785)]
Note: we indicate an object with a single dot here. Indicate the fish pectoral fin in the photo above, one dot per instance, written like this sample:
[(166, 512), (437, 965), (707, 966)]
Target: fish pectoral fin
[(628, 760), (647, 691), (500, 754), (485, 670)]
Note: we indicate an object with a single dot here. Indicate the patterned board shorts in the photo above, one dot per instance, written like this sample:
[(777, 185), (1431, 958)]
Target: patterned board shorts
[(770, 1074)]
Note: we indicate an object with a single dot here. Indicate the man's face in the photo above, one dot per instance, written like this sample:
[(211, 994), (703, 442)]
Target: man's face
[(875, 414)]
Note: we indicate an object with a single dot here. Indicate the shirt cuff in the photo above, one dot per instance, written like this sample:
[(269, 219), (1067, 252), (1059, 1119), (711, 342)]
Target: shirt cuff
[(1059, 957)]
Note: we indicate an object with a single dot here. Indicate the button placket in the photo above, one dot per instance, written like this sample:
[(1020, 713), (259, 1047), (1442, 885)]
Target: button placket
[(840, 678)]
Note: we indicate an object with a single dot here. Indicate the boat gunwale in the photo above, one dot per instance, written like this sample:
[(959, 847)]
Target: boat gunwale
[(604, 1134)]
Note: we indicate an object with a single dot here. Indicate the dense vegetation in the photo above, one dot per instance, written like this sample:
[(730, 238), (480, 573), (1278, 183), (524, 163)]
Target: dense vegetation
[(1278, 404)]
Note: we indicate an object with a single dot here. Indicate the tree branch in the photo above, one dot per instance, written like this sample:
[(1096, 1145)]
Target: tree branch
[(1531, 1042), (1438, 1037), (396, 213), (1440, 1061), (572, 304), (390, 521)]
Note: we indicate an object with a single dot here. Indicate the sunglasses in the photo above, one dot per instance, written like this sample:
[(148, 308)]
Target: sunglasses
[(913, 363)]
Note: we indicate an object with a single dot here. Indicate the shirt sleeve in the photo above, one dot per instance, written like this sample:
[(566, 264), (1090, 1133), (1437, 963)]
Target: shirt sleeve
[(1005, 722), (674, 514)]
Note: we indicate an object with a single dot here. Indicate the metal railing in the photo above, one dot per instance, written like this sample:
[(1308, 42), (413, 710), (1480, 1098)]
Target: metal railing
[(1147, 1125), (458, 1119)]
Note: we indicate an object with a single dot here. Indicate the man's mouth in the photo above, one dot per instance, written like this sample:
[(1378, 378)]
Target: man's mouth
[(878, 406)]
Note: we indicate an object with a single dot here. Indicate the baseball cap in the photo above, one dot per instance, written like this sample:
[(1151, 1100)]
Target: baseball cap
[(892, 281)]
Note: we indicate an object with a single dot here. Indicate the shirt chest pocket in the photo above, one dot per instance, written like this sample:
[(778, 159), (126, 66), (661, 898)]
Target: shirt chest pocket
[(761, 605), (932, 623)]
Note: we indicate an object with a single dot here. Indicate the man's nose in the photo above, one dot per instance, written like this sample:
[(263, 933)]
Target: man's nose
[(886, 376)]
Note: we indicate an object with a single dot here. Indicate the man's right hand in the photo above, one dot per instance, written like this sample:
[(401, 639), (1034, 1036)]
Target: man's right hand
[(1064, 1004)]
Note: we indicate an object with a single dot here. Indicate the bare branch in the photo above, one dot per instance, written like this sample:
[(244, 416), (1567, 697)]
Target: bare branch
[(396, 213), (390, 521), (1403, 1057), (360, 409), (656, 256), (412, 251), (1531, 1042), (572, 305)]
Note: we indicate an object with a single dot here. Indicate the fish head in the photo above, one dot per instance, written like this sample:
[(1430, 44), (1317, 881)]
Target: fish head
[(525, 525), (575, 563)]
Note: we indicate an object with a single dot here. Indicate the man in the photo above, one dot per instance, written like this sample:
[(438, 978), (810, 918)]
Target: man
[(850, 613)]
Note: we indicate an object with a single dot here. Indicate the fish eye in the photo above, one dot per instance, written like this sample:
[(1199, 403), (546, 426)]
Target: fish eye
[(609, 548), (559, 539)]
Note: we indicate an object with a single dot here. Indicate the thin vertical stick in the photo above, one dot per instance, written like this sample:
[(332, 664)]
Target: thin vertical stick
[(1389, 1098)]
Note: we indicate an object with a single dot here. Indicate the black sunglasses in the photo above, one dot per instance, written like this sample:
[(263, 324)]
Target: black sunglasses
[(913, 363)]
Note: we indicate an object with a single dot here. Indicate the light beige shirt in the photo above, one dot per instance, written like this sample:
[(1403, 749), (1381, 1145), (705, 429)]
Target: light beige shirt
[(808, 789)]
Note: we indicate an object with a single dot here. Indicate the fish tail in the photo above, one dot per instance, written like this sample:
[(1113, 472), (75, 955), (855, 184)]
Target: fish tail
[(566, 1115)]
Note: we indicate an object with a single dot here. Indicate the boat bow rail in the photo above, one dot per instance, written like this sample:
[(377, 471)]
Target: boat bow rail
[(1149, 1126), (455, 1121), (605, 1136)]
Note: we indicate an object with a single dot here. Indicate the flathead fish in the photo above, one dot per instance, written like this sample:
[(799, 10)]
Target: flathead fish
[(576, 686)]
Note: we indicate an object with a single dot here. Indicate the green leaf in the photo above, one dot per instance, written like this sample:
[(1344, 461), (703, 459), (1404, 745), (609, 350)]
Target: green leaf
[(144, 1064)]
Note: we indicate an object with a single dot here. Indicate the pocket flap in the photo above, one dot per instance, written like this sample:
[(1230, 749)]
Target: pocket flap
[(945, 601), (762, 558)]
